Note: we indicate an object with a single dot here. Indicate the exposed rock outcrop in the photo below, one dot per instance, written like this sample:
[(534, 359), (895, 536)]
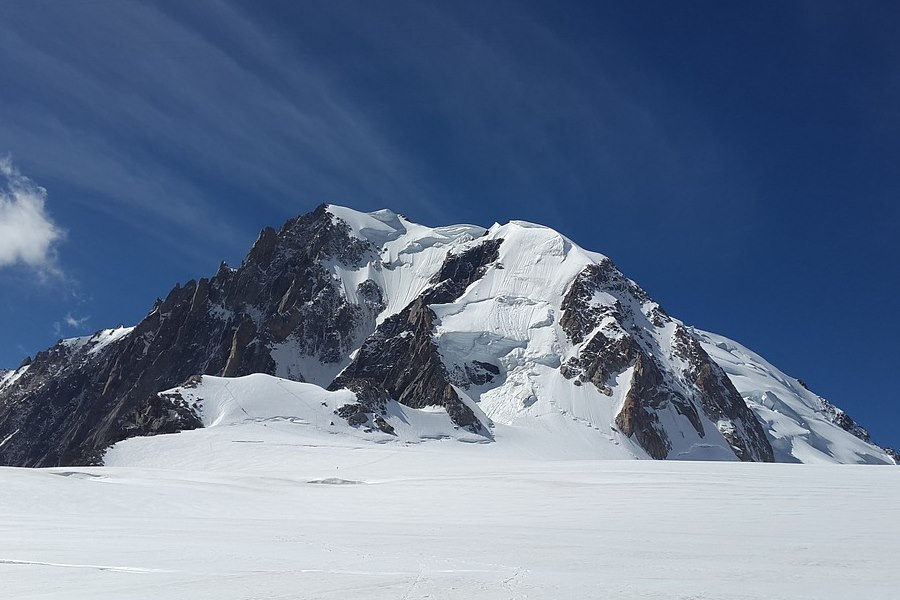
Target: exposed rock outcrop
[(401, 361), (618, 327)]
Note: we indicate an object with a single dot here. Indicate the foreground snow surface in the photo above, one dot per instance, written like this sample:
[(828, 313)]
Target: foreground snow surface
[(274, 509)]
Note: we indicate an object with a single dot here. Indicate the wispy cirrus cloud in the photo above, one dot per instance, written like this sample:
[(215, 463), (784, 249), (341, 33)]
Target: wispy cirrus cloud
[(28, 234), (76, 322), (164, 126), (70, 322)]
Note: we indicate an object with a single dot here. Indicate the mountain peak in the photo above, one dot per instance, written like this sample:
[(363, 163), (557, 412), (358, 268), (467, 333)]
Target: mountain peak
[(511, 334)]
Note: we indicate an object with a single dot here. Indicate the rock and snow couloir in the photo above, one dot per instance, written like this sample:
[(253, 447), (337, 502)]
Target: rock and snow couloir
[(369, 325)]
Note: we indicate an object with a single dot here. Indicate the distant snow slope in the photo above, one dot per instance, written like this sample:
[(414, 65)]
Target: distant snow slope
[(77, 350), (95, 343), (802, 426), (260, 507)]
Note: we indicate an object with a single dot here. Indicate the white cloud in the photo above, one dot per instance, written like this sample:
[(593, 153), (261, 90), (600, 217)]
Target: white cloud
[(77, 323), (28, 235)]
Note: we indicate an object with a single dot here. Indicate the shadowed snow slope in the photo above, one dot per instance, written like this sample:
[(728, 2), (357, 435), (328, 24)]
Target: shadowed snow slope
[(802, 426)]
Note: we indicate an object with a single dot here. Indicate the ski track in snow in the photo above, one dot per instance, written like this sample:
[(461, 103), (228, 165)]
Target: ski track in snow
[(37, 563)]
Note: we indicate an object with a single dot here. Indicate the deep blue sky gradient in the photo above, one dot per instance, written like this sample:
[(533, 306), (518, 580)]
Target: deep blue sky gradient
[(740, 160)]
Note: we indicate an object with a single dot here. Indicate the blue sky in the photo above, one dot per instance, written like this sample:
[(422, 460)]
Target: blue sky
[(740, 160)]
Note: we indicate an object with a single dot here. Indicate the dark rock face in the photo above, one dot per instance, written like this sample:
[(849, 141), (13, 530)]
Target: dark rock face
[(287, 294), (721, 401), (624, 332), (472, 373), (481, 373), (459, 271), (163, 413), (354, 414), (638, 417), (401, 361), (71, 404)]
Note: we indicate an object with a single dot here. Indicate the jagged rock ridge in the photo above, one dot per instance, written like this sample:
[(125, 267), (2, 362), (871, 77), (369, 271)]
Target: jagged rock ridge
[(71, 403)]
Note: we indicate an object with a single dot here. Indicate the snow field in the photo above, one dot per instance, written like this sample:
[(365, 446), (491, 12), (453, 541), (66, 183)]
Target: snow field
[(440, 520)]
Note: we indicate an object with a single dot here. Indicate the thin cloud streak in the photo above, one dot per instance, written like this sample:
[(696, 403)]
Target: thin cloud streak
[(251, 138), (232, 100), (70, 322)]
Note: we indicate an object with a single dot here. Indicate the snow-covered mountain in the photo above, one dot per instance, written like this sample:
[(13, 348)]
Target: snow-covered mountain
[(401, 332)]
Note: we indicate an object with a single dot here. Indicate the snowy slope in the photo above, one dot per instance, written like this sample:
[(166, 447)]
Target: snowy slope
[(509, 321), (510, 317), (410, 254), (257, 407), (802, 426), (255, 511), (261, 402)]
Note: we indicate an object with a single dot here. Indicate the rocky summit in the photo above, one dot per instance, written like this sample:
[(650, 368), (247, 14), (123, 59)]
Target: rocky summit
[(513, 326)]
